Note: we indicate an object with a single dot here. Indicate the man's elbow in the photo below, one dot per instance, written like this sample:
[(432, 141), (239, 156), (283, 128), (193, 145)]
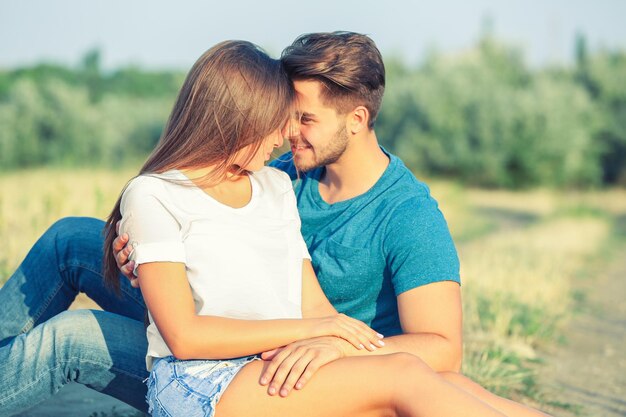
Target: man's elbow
[(456, 359), (455, 355), (450, 355)]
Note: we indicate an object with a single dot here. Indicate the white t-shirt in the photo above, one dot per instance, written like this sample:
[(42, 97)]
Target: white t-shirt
[(243, 263)]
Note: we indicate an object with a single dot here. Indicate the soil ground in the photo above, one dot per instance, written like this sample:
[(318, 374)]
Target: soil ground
[(588, 371)]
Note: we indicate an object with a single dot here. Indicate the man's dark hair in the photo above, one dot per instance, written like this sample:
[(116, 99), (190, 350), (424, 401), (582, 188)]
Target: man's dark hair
[(349, 66)]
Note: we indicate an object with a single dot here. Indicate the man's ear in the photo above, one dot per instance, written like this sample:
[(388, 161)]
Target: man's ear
[(358, 119)]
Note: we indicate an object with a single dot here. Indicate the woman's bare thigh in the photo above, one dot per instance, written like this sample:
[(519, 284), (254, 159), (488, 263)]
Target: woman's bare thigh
[(346, 387)]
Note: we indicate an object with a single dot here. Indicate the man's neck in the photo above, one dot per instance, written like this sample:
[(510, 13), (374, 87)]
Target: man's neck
[(358, 169)]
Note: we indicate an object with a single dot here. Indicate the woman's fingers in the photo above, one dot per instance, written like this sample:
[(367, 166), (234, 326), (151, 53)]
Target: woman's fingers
[(308, 373), (353, 331), (292, 366), (269, 355), (281, 373), (270, 370), (359, 334), (348, 334), (373, 338), (296, 372)]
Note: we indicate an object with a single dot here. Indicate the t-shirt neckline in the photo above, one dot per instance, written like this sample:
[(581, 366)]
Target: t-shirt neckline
[(317, 173), (256, 190)]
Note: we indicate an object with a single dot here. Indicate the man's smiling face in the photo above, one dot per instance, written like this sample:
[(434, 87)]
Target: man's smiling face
[(323, 135)]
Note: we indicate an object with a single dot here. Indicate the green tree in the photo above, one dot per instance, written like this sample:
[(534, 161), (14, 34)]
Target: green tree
[(484, 117)]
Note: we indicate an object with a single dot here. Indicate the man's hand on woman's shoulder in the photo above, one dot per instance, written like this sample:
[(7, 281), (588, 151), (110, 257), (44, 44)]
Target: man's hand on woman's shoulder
[(122, 250)]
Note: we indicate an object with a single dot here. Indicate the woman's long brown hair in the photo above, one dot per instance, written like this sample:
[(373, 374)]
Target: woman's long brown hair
[(234, 96)]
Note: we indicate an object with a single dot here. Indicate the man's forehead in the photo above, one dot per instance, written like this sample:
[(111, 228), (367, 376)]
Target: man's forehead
[(307, 90), (309, 102), (307, 85)]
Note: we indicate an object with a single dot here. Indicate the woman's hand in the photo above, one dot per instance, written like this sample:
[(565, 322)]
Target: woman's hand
[(352, 330), (292, 366)]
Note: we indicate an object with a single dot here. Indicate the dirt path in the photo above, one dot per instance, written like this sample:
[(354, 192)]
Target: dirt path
[(589, 371)]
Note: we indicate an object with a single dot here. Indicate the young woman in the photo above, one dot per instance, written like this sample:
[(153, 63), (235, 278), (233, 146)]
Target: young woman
[(224, 270)]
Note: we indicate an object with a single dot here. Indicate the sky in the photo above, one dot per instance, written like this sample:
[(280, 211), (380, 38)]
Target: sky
[(160, 34)]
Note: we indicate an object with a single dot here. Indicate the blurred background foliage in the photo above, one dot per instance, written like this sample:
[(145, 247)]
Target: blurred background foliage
[(483, 117)]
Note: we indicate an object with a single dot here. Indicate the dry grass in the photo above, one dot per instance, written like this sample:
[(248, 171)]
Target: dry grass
[(520, 255), (518, 292), (32, 200)]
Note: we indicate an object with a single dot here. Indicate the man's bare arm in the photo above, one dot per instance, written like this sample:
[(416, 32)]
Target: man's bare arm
[(432, 321), (431, 318)]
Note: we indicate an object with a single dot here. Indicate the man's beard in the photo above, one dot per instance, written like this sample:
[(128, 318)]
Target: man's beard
[(328, 154)]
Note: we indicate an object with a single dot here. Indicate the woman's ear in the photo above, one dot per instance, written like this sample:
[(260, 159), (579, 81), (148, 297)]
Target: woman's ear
[(358, 120)]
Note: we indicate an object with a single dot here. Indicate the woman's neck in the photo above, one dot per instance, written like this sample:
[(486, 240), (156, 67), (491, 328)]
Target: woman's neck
[(234, 191)]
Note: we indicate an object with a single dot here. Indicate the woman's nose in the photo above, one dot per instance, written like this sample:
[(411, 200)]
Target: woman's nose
[(279, 140), (291, 129)]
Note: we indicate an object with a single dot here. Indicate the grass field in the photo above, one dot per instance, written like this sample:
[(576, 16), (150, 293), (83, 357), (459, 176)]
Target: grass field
[(520, 255)]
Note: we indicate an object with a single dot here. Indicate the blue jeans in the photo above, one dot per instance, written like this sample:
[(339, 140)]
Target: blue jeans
[(190, 388), (43, 346)]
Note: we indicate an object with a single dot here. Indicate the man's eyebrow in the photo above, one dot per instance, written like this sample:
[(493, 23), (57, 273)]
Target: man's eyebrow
[(299, 114)]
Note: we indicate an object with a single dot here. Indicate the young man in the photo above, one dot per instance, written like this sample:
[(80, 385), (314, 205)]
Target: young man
[(380, 247)]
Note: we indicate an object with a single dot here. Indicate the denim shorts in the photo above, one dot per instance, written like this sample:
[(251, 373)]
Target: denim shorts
[(190, 388)]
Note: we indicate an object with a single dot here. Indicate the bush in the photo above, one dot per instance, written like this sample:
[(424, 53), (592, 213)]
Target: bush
[(483, 118)]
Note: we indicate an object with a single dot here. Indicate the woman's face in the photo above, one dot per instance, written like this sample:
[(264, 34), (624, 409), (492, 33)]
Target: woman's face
[(263, 154)]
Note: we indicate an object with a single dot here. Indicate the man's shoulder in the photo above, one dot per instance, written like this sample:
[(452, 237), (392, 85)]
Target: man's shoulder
[(403, 189)]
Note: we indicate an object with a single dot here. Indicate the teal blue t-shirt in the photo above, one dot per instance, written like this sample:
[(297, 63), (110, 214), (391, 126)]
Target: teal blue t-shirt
[(373, 247)]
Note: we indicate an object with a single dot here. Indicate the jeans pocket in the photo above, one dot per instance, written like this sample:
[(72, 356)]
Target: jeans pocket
[(166, 397), (175, 399)]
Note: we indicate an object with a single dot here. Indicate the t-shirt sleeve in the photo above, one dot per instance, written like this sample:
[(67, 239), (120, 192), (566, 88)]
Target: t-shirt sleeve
[(418, 246), (153, 230)]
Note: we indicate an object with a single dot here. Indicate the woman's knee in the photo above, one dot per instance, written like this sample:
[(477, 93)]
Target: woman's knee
[(400, 372), (401, 377), (407, 363)]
